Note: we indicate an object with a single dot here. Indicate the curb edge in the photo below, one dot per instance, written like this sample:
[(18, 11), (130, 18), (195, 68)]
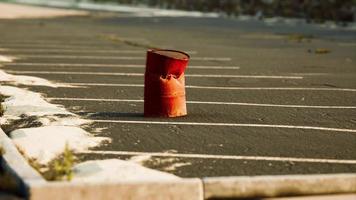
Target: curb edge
[(21, 173), (279, 185)]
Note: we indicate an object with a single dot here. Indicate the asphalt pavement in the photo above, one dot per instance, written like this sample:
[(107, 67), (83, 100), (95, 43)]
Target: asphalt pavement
[(263, 98)]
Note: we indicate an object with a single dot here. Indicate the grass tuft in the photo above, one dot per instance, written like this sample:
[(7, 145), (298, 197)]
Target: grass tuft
[(58, 169), (61, 168)]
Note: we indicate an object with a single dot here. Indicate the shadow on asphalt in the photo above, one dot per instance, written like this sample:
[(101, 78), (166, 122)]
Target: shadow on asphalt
[(110, 115)]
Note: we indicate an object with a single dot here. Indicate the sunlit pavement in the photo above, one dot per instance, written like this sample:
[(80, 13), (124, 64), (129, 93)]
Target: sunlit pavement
[(260, 100)]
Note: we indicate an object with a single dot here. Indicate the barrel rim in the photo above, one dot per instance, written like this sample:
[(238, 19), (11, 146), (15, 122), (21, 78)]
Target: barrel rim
[(171, 50)]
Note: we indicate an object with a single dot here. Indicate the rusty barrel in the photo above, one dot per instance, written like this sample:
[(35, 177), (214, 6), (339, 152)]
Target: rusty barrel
[(164, 94)]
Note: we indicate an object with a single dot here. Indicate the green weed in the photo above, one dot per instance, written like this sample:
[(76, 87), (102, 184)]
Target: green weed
[(61, 168), (58, 169)]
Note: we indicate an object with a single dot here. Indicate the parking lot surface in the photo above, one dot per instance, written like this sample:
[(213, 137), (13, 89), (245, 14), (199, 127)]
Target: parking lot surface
[(262, 98)]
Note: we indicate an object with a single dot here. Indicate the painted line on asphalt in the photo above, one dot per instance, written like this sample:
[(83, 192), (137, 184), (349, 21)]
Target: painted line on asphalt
[(223, 157), (220, 88), (54, 46), (80, 41), (228, 125), (208, 103), (71, 51), (25, 43), (141, 74), (272, 88), (115, 57), (82, 51), (113, 65), (84, 57), (88, 99)]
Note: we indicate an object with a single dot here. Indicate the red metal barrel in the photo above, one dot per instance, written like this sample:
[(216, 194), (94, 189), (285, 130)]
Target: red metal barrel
[(165, 83)]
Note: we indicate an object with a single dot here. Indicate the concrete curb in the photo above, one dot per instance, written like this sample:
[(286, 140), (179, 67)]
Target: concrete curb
[(277, 186), (319, 197), (184, 189), (17, 169)]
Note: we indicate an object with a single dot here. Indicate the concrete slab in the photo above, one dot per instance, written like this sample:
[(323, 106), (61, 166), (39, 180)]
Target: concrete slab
[(188, 189), (318, 197), (274, 186), (16, 11)]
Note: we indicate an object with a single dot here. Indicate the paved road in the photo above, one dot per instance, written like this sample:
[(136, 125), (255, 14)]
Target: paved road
[(260, 100)]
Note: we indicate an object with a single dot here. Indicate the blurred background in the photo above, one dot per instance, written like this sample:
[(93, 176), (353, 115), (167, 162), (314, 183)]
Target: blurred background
[(311, 10), (316, 11)]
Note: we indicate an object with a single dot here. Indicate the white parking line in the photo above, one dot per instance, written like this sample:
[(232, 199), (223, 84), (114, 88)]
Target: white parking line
[(86, 99), (243, 76), (113, 65), (220, 88), (84, 57), (114, 57), (82, 51), (79, 41), (228, 125), (210, 59), (272, 88), (209, 103), (141, 74), (223, 157), (49, 42), (54, 46), (72, 51)]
